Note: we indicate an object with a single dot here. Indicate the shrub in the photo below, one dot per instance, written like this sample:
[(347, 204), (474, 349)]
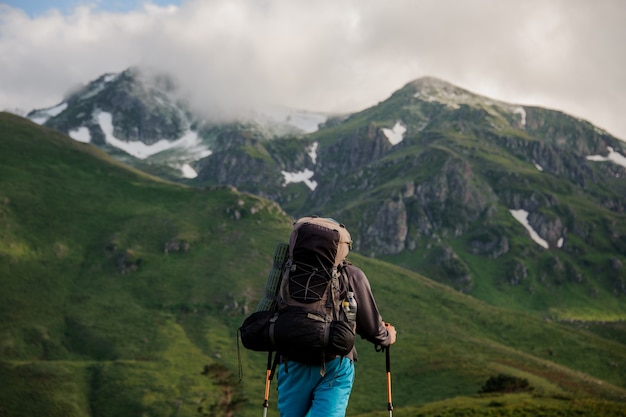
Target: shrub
[(506, 383)]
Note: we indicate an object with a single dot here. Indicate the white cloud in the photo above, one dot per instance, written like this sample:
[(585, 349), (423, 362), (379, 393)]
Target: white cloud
[(326, 55)]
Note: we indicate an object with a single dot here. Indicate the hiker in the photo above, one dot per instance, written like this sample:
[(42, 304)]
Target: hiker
[(314, 389)]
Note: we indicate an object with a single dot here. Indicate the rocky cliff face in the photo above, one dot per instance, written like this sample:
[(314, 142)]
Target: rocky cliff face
[(446, 191), (241, 161)]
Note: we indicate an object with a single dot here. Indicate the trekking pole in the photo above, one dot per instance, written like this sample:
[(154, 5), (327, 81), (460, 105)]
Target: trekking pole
[(389, 402), (268, 375)]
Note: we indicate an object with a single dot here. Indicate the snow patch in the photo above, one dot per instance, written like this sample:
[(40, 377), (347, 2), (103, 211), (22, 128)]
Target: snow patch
[(300, 176), (189, 141), (395, 134), (312, 151), (188, 171), (39, 119), (56, 110), (613, 156), (81, 134), (522, 217)]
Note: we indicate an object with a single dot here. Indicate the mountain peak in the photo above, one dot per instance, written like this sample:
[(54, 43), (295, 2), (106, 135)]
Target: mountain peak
[(434, 89), (430, 81)]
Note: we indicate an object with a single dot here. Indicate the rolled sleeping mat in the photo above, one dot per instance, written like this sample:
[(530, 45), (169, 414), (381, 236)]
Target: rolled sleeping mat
[(272, 284)]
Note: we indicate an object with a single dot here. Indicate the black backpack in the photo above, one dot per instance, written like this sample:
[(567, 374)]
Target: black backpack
[(305, 314)]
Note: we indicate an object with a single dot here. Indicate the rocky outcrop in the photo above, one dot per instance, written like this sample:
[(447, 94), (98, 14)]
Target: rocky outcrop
[(127, 261), (176, 246), (241, 161), (450, 268), (550, 229), (492, 243), (566, 132), (388, 231), (551, 158), (352, 152), (518, 273)]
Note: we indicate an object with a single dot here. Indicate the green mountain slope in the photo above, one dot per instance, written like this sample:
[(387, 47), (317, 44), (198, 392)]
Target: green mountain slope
[(432, 178), (96, 316), (121, 296), (441, 200)]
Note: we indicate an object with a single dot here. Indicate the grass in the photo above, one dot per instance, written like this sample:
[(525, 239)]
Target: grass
[(513, 405), (451, 343), (79, 335)]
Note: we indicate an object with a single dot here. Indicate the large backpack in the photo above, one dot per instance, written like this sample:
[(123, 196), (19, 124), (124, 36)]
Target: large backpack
[(303, 314)]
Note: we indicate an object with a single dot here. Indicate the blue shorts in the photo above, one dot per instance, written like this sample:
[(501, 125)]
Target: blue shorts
[(302, 391)]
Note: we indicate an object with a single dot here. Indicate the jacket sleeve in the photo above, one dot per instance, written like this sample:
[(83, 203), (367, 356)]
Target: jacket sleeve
[(369, 323)]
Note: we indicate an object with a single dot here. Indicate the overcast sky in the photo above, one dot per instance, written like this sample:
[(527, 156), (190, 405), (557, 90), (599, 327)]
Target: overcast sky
[(324, 55)]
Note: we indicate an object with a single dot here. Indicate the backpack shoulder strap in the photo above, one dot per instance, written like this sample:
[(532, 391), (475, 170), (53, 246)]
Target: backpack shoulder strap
[(345, 281)]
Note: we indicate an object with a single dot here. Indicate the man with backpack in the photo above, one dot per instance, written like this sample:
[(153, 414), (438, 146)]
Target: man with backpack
[(318, 278)]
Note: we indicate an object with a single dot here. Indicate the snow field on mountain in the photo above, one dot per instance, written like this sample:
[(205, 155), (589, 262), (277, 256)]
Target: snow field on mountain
[(188, 141), (306, 174), (81, 134), (42, 116), (522, 217), (613, 156), (139, 149)]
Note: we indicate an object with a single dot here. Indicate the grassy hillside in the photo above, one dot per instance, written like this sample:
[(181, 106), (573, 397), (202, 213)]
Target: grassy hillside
[(121, 296), (96, 317)]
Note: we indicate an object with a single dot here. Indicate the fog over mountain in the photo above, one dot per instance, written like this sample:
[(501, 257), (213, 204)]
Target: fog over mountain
[(233, 57)]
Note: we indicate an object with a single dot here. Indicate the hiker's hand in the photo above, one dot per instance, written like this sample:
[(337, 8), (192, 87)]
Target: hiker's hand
[(392, 333)]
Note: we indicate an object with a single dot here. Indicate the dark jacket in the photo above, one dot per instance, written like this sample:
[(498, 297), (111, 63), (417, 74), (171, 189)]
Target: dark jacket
[(369, 323)]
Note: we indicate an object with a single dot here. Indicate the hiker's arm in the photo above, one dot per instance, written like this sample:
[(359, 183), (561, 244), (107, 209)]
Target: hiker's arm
[(369, 323)]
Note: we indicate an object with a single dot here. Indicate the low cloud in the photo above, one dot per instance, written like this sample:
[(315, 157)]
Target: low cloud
[(330, 55)]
